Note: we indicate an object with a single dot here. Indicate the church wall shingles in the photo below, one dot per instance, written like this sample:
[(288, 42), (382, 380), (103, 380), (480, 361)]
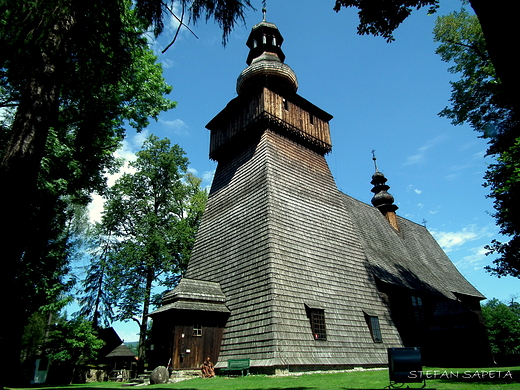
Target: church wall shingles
[(318, 242), (232, 250), (276, 248)]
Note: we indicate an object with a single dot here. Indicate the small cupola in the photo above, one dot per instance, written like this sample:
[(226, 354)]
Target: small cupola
[(266, 61), (382, 199), (264, 37)]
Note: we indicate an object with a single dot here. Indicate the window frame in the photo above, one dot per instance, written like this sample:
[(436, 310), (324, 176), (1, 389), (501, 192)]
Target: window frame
[(197, 330), (318, 323), (374, 326)]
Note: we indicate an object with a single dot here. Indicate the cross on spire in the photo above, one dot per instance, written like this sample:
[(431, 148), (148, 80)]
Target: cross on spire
[(374, 158)]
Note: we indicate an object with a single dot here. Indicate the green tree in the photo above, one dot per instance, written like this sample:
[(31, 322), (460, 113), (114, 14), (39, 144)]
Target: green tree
[(486, 96), (34, 336), (381, 17), (479, 99), (72, 76), (70, 344), (97, 295), (503, 327), (153, 215), (497, 18)]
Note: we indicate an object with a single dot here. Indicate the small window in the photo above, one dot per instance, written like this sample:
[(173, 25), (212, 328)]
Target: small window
[(417, 308), (374, 327), (311, 119), (197, 330), (285, 105), (317, 318)]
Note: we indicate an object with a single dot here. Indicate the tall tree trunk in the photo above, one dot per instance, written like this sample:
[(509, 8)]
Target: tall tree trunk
[(144, 322), (19, 177), (19, 171)]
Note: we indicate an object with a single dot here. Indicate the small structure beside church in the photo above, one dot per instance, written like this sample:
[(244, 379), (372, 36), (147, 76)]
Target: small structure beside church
[(188, 327), (290, 272)]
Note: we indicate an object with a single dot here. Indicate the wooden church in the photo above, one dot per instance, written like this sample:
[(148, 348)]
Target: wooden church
[(292, 273)]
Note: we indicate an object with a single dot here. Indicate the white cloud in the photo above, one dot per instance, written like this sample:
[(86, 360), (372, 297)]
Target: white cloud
[(172, 23), (451, 240), (208, 176), (127, 151), (134, 143), (420, 157), (178, 126), (167, 63), (474, 260), (411, 187), (479, 155), (415, 159), (96, 208)]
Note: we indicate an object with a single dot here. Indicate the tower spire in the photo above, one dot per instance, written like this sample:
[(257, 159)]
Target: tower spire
[(382, 199), (266, 59), (374, 158)]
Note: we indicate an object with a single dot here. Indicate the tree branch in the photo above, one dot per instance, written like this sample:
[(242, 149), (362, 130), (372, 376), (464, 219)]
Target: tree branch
[(482, 54), (181, 23), (137, 320)]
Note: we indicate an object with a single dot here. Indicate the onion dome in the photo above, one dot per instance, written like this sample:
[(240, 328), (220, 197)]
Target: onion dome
[(382, 199), (266, 60)]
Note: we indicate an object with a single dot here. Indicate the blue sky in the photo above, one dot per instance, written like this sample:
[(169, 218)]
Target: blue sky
[(383, 96)]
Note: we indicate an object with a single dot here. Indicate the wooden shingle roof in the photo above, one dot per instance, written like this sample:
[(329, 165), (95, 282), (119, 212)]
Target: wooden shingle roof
[(121, 351), (411, 258), (194, 295), (278, 236)]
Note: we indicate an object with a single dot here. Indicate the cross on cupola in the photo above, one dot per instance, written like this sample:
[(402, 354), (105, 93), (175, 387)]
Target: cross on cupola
[(266, 61), (264, 37), (382, 199)]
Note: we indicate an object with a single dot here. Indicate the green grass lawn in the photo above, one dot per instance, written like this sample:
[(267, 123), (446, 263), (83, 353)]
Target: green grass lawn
[(506, 378)]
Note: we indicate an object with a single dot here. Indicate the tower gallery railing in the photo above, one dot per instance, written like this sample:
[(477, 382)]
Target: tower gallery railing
[(265, 120)]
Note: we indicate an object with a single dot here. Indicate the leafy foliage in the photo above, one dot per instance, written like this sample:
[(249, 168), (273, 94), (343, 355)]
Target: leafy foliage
[(72, 341), (503, 326), (152, 216), (34, 335), (98, 294), (73, 75), (382, 17), (478, 98), (225, 13), (154, 212)]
